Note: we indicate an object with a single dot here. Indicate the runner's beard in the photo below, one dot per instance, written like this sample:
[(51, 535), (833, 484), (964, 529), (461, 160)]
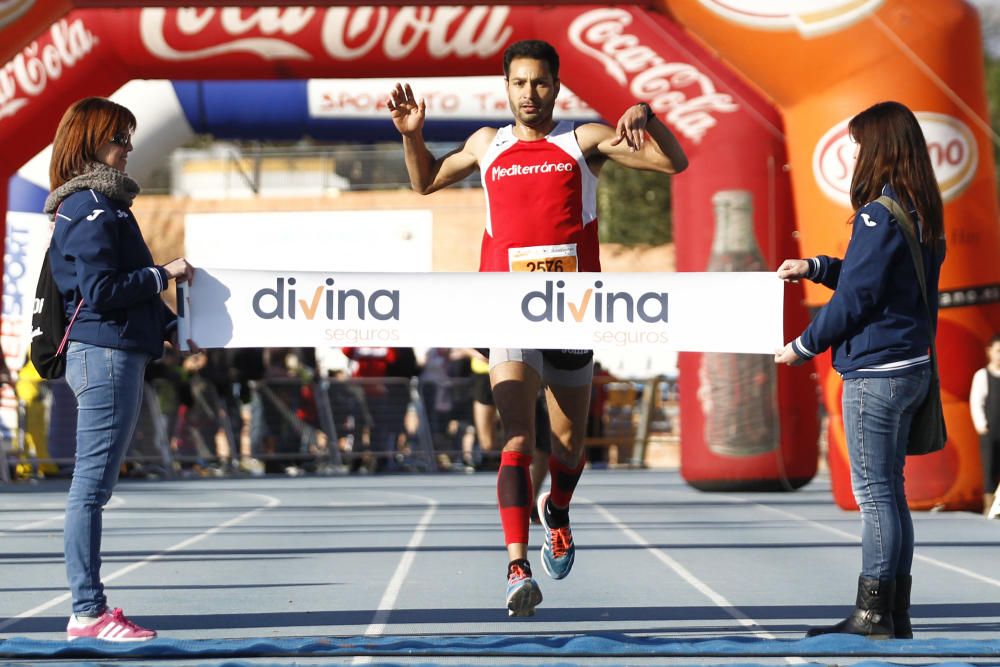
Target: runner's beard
[(534, 119)]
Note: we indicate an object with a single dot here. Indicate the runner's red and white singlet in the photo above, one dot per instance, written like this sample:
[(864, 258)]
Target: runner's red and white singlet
[(541, 204)]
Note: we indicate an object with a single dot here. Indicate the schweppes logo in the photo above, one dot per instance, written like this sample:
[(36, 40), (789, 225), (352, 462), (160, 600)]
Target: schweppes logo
[(810, 18), (950, 143), (594, 304), (328, 301)]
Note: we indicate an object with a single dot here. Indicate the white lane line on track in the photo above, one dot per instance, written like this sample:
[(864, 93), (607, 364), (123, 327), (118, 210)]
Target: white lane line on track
[(388, 601), (690, 578), (114, 502), (854, 538), (184, 544)]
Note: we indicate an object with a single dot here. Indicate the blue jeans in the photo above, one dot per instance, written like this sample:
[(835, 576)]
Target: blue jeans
[(108, 387), (877, 417)]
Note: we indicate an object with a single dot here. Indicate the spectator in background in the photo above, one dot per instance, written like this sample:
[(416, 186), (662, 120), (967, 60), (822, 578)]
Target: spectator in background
[(388, 400), (984, 403), (173, 391), (28, 390), (225, 375), (5, 376), (249, 366), (104, 269), (350, 417), (271, 434), (331, 362), (435, 393), (197, 426), (461, 423), (598, 454), (484, 413)]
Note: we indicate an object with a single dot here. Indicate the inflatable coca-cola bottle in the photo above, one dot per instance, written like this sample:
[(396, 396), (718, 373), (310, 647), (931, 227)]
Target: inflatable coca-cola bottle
[(737, 391)]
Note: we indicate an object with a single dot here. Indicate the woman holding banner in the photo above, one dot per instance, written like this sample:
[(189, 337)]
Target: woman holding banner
[(117, 324), (880, 330)]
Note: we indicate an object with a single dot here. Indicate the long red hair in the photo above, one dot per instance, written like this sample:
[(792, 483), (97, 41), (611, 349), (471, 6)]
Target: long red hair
[(84, 128)]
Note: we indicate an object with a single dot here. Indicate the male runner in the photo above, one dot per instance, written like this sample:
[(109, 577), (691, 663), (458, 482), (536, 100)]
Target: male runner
[(540, 181)]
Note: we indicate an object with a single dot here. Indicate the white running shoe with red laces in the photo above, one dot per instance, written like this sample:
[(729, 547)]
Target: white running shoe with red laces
[(111, 626)]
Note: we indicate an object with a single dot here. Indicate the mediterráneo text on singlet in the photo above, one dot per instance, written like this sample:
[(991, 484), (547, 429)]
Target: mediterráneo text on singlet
[(497, 173)]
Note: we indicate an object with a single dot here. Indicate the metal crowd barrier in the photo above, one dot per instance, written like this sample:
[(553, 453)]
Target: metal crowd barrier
[(45, 437), (329, 425)]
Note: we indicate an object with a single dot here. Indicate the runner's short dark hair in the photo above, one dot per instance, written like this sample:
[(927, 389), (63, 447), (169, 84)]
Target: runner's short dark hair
[(535, 49)]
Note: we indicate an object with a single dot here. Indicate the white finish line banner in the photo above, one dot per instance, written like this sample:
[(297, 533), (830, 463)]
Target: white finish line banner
[(689, 312)]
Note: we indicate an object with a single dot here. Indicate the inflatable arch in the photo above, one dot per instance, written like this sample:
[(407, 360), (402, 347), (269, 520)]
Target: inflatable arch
[(838, 56), (613, 57), (170, 114)]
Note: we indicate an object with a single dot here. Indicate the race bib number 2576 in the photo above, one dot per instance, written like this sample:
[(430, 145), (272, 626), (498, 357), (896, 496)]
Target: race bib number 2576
[(554, 258)]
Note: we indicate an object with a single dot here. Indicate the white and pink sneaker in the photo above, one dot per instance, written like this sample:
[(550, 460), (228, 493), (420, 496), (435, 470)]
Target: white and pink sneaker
[(111, 626)]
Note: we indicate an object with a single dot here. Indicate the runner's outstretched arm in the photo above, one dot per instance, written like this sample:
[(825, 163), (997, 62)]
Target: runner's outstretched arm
[(427, 173)]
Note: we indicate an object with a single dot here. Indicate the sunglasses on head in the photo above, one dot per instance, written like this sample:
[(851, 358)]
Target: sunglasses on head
[(121, 138)]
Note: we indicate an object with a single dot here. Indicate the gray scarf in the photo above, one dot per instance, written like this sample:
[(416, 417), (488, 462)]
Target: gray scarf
[(99, 177)]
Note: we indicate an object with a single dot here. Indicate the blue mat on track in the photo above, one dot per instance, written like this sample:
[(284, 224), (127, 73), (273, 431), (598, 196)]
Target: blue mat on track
[(408, 663), (555, 646)]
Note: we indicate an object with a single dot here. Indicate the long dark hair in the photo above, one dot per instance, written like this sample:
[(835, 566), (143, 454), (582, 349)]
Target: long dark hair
[(894, 151)]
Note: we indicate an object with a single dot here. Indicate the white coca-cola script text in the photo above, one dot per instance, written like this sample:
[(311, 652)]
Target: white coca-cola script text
[(666, 86)]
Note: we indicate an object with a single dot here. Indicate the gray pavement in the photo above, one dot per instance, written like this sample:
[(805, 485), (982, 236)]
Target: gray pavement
[(422, 556)]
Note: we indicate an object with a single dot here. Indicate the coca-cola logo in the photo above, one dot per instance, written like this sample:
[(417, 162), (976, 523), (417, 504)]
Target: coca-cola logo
[(683, 94), (346, 33), (810, 18), (11, 10), (952, 147), (30, 71)]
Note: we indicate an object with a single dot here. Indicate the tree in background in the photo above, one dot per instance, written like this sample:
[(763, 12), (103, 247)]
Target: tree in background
[(633, 206), (989, 15)]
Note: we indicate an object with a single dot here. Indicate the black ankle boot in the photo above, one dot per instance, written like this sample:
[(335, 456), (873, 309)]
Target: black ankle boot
[(872, 616), (901, 607)]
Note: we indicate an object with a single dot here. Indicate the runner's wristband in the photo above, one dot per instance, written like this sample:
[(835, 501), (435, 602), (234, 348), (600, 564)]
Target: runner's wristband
[(649, 110)]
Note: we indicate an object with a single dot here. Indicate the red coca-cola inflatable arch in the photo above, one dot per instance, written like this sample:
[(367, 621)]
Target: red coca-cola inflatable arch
[(612, 57)]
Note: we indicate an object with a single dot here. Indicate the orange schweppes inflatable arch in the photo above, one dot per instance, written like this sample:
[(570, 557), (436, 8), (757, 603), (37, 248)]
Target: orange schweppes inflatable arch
[(822, 61)]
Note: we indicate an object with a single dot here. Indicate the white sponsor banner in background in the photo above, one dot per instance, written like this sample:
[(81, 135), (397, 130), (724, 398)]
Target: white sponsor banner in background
[(447, 98), (27, 238), (400, 240), (697, 312)]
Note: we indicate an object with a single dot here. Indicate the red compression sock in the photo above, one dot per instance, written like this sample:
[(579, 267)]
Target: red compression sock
[(514, 496), (563, 481)]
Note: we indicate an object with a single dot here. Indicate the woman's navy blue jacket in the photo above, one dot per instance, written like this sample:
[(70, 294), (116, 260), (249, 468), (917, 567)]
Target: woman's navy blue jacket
[(98, 253), (876, 321)]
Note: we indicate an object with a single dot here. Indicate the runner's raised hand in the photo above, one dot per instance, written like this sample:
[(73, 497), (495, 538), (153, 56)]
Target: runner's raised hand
[(407, 114)]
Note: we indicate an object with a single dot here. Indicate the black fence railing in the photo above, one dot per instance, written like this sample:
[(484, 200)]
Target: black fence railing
[(326, 426)]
